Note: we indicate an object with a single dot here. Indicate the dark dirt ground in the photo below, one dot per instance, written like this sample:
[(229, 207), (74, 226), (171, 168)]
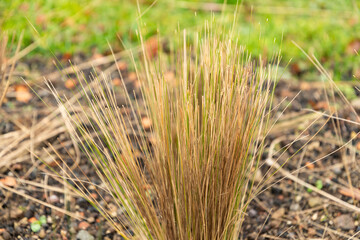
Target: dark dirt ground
[(286, 209)]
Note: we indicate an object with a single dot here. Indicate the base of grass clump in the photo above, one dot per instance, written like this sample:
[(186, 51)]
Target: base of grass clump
[(207, 122)]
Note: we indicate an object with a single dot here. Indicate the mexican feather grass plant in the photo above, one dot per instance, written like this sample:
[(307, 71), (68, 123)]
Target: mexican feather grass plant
[(195, 177)]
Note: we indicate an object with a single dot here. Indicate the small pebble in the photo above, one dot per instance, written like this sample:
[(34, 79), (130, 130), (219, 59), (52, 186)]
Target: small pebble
[(337, 170), (258, 176), (314, 201), (252, 213), (91, 219), (23, 222), (356, 103), (53, 198), (279, 213), (18, 229), (314, 217), (42, 233), (345, 222), (49, 219), (275, 223), (84, 235), (6, 235), (298, 198), (9, 181), (295, 207), (63, 233), (83, 225), (311, 232), (146, 123), (16, 213)]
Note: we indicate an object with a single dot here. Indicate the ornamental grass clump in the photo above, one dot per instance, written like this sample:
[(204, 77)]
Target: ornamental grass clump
[(190, 175)]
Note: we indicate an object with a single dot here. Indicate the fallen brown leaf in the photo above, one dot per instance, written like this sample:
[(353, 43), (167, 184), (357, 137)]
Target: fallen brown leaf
[(309, 165), (350, 193), (9, 181), (22, 93), (33, 219), (83, 225)]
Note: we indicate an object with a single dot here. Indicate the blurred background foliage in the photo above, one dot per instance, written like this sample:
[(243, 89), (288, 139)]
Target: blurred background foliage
[(328, 29)]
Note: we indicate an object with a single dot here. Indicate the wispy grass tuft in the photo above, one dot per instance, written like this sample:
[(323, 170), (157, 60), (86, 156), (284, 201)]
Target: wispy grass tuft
[(190, 175)]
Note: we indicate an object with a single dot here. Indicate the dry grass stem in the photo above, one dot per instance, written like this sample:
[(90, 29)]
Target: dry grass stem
[(192, 177)]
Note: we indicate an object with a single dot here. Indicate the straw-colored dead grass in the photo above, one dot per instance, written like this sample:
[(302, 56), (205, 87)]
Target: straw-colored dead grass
[(194, 179)]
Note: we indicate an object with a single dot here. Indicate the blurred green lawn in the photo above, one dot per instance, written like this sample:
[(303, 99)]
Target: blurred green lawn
[(328, 29)]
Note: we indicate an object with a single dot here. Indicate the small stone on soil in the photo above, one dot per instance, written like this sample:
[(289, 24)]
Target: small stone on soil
[(337, 170), (311, 232), (49, 219), (16, 213), (356, 103), (84, 235), (252, 213), (6, 235), (295, 207), (23, 222), (279, 213), (275, 223), (314, 201), (53, 198), (345, 222), (42, 233), (83, 225), (258, 176), (91, 219)]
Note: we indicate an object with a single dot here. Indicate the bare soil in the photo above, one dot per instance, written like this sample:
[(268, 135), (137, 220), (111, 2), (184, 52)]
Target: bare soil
[(310, 147)]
